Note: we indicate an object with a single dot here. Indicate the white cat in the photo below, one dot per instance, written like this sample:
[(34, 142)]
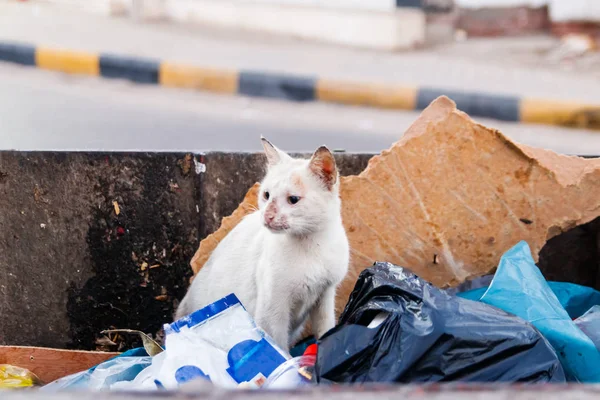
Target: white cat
[(285, 260)]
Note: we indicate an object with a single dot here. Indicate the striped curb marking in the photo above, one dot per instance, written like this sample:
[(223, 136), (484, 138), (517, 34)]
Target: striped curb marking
[(301, 88)]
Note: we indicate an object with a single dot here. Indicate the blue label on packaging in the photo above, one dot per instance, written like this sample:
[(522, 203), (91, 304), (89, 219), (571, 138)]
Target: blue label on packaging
[(189, 373), (248, 358), (198, 317)]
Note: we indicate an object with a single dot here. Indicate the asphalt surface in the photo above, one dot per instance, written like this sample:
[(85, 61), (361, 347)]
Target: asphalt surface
[(520, 66), (44, 110)]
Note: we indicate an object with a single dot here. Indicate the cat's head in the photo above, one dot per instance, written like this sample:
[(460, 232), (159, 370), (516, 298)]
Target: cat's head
[(299, 196)]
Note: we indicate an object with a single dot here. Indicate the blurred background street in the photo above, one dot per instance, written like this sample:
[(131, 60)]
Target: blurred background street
[(45, 110)]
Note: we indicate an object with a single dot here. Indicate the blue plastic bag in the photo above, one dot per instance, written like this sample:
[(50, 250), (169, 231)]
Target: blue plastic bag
[(299, 349), (575, 299), (124, 367), (519, 288)]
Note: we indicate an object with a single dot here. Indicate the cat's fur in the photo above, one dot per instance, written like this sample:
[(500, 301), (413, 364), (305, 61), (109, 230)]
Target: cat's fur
[(284, 261)]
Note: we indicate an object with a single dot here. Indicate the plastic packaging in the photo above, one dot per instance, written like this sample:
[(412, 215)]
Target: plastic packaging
[(297, 372), (12, 377), (220, 343), (398, 328), (589, 323), (123, 368), (575, 299), (519, 288)]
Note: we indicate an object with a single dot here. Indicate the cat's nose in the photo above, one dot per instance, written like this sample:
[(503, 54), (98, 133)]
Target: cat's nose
[(269, 217)]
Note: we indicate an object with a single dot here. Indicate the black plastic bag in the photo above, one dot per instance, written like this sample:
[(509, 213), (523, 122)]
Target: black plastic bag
[(419, 333)]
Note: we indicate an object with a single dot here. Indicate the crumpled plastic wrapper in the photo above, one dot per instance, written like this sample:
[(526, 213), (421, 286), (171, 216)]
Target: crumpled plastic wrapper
[(12, 377)]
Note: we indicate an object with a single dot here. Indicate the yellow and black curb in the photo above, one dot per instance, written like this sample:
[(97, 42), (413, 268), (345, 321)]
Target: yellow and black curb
[(301, 88)]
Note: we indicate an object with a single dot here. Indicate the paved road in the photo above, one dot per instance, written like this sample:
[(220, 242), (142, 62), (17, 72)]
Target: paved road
[(520, 66), (41, 110)]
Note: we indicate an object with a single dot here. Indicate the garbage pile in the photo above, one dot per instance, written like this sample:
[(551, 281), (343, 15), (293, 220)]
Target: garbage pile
[(396, 328)]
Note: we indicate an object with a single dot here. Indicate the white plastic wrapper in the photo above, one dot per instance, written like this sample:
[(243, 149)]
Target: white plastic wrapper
[(103, 376), (220, 343)]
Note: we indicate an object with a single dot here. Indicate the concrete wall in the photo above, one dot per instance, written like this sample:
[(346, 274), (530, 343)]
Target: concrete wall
[(375, 24), (102, 7), (575, 10), (371, 5), (401, 28), (72, 260)]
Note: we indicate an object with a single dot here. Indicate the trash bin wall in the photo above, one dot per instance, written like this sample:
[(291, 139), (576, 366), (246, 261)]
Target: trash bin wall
[(90, 241), (93, 241)]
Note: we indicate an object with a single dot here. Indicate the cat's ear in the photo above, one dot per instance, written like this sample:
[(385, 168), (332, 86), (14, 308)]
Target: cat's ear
[(322, 164), (274, 155)]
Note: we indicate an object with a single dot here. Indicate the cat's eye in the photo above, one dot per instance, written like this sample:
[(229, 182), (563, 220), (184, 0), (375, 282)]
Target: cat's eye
[(266, 194), (293, 199)]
